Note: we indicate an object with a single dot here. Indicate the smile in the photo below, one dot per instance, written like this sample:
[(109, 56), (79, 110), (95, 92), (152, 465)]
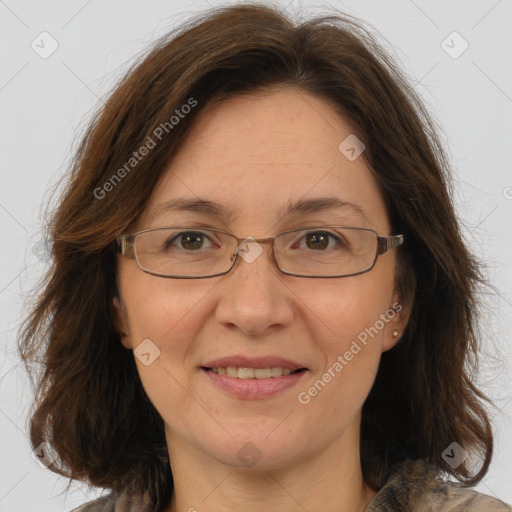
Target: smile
[(253, 383), (253, 373)]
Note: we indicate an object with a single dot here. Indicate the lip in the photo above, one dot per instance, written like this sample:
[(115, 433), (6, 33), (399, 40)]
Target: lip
[(253, 389), (253, 362)]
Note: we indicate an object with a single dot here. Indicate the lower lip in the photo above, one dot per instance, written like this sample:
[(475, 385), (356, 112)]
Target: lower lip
[(254, 389)]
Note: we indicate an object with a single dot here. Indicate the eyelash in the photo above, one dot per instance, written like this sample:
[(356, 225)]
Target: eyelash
[(330, 235)]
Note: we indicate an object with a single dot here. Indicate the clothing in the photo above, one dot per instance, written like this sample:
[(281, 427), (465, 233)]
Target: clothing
[(412, 487)]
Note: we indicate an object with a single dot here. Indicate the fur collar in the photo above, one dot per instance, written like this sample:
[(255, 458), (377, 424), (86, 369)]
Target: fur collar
[(412, 487)]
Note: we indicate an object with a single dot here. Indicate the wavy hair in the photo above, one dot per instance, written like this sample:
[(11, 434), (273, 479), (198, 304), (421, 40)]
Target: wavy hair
[(89, 403)]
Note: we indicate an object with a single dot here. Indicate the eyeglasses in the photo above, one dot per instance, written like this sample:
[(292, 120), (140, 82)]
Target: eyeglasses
[(188, 253)]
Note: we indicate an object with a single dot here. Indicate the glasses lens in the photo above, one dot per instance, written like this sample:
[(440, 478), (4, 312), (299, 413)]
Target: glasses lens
[(184, 252), (322, 251), (326, 251)]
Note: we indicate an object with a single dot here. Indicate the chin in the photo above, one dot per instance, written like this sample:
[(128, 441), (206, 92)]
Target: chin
[(260, 451)]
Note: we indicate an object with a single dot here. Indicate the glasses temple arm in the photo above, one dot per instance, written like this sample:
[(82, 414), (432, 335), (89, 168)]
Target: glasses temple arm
[(125, 246), (386, 243)]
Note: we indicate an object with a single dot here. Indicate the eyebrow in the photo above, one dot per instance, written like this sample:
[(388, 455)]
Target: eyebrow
[(301, 207)]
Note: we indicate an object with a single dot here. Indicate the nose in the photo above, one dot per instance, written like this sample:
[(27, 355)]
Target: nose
[(253, 296)]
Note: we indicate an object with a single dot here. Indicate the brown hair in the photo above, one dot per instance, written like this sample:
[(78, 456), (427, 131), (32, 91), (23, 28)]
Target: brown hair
[(90, 404)]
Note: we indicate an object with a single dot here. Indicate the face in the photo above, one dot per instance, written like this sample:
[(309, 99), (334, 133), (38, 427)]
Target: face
[(256, 155)]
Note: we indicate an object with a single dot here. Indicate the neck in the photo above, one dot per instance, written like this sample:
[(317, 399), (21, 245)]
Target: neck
[(329, 481)]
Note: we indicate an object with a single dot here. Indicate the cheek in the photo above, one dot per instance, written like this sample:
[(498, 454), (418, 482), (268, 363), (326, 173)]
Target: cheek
[(351, 318), (347, 307), (170, 315), (163, 309), (337, 390)]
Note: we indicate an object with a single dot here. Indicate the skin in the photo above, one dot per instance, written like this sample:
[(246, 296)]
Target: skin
[(255, 154)]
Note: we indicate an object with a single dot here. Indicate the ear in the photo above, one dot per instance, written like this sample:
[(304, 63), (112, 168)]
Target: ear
[(121, 323), (396, 318)]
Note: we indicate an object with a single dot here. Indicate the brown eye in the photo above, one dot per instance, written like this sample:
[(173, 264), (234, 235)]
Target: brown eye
[(189, 240), (192, 241), (319, 240)]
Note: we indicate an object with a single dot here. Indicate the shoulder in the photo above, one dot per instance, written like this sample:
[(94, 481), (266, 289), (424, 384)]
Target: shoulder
[(103, 504), (414, 487), (123, 502)]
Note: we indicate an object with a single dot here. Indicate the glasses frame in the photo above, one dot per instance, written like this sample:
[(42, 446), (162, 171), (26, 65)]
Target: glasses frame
[(125, 244)]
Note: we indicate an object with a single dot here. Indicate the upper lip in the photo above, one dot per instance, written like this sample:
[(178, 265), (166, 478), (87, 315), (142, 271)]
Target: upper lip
[(253, 362)]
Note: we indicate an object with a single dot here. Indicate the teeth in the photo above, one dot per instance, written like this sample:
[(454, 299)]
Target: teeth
[(276, 372), (263, 373), (246, 373), (252, 373)]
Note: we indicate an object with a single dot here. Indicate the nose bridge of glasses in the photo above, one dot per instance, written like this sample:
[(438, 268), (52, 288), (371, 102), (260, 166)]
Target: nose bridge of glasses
[(250, 239), (250, 248)]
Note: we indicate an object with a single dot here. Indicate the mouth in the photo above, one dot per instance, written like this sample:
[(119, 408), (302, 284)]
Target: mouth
[(253, 373), (257, 381)]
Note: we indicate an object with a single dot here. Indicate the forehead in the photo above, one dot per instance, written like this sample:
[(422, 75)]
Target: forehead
[(257, 154)]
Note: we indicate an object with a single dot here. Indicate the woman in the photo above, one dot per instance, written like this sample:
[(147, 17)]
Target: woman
[(260, 297)]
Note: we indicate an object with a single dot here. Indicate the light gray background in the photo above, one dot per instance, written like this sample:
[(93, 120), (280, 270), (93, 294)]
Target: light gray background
[(45, 103)]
